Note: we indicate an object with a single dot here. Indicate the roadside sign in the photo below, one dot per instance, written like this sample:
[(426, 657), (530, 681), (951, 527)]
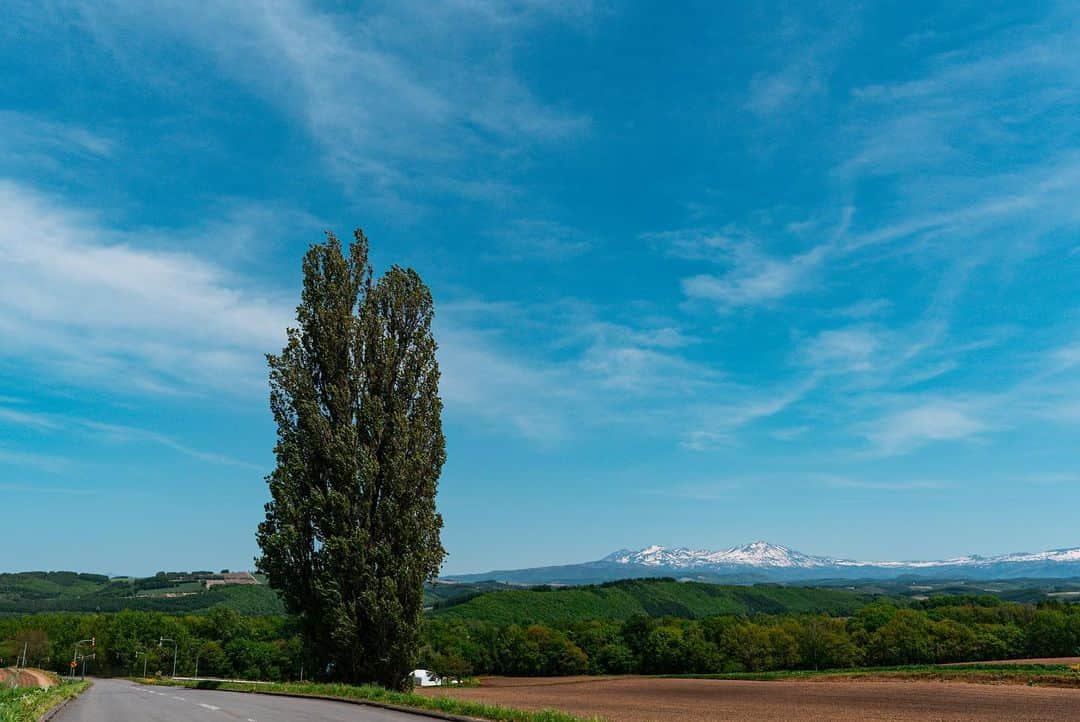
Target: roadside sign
[(74, 665)]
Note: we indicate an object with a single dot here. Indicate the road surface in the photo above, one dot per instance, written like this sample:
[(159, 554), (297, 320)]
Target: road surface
[(113, 700)]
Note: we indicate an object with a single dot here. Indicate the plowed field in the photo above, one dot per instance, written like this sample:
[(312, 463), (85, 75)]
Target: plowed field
[(638, 699)]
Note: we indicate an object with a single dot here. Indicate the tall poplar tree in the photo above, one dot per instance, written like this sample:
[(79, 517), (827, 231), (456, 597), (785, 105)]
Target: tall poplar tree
[(351, 533)]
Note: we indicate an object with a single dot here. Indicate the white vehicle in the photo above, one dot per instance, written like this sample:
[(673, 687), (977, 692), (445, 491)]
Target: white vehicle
[(424, 678)]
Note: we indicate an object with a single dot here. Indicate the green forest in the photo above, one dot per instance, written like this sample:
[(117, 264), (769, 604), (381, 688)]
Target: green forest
[(642, 626), (656, 597), (176, 592)]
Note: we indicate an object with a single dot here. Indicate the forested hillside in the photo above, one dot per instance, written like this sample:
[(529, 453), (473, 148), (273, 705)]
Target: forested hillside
[(650, 597), (179, 592), (885, 632)]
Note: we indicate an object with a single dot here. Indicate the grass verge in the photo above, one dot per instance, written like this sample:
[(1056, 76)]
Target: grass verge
[(1046, 675), (28, 704), (367, 693)]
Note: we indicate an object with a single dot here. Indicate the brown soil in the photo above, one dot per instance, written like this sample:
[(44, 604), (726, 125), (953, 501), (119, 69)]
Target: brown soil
[(26, 678), (638, 699)]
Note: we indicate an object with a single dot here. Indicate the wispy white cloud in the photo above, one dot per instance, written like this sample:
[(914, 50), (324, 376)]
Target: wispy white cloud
[(923, 141), (717, 423), (506, 392), (118, 433), (841, 482), (750, 276), (755, 278), (29, 489), (47, 423), (790, 433), (34, 460), (753, 274), (705, 440), (932, 421), (1052, 477), (532, 240), (85, 305), (28, 419), (79, 300), (573, 372), (845, 350), (805, 58), (29, 140), (387, 118), (707, 491)]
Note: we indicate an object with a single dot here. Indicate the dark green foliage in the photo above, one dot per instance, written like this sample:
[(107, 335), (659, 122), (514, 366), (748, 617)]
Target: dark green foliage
[(940, 630), (351, 534), (651, 597), (450, 667), (226, 643), (29, 592), (538, 651)]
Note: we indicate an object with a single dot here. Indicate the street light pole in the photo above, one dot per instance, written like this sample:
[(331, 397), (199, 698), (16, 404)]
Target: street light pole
[(75, 657), (175, 649), (144, 659)]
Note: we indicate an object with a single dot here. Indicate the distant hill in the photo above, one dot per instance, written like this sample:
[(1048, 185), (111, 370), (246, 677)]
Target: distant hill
[(652, 597), (764, 562), (27, 592)]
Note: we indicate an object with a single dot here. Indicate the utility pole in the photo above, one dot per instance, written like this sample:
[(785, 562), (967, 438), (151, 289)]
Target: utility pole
[(75, 657), (175, 649), (144, 659)]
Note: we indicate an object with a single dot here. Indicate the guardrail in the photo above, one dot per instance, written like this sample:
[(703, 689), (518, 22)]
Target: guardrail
[(220, 679)]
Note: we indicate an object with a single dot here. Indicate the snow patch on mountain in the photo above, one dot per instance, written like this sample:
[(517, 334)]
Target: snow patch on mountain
[(761, 554)]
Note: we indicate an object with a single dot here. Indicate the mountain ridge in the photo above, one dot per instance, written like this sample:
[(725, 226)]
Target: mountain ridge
[(762, 561), (766, 554)]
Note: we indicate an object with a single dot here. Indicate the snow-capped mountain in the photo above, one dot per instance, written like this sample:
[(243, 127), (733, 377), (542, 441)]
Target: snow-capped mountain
[(761, 555), (755, 554), (764, 562)]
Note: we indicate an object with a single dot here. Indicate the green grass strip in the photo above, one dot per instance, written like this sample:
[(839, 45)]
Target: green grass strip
[(1049, 675), (370, 693), (28, 704)]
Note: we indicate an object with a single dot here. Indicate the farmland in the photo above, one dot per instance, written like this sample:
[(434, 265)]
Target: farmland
[(641, 699)]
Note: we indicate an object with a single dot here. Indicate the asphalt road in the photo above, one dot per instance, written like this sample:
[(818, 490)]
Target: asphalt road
[(110, 700)]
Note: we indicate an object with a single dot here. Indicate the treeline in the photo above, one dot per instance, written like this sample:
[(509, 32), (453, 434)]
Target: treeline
[(222, 642), (651, 597), (117, 596), (947, 629), (885, 632)]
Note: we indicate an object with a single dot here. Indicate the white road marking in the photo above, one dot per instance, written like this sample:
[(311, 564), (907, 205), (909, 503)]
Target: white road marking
[(209, 706), (179, 698)]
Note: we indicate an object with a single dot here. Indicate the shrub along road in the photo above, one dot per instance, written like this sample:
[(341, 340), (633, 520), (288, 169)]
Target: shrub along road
[(113, 700)]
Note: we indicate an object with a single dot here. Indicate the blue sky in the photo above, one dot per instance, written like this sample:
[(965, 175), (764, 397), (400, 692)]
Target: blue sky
[(704, 273)]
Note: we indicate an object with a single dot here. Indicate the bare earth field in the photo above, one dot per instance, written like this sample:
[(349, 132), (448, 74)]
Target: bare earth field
[(638, 699), (9, 677)]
